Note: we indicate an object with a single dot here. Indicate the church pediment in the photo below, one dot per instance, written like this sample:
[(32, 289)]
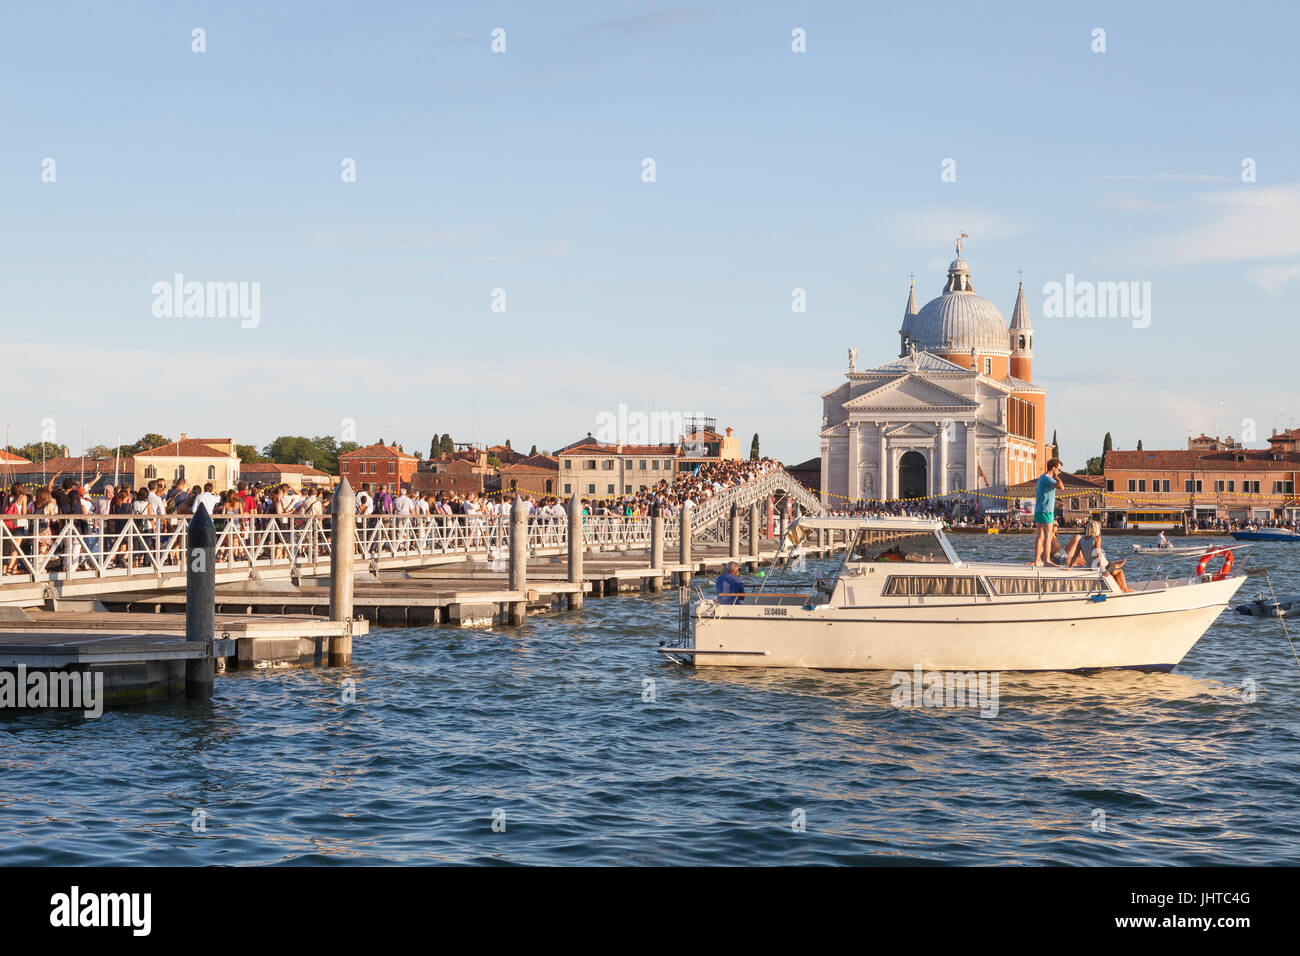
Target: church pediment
[(910, 391), (835, 431), (912, 430)]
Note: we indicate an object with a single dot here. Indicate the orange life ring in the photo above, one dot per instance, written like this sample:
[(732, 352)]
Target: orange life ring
[(1223, 571)]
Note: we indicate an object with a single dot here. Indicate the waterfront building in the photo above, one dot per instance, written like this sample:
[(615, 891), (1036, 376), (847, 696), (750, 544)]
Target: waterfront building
[(377, 464), (956, 409), (1210, 479), (197, 460), (36, 473)]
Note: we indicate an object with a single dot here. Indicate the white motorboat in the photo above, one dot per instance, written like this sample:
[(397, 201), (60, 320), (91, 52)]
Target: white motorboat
[(902, 599)]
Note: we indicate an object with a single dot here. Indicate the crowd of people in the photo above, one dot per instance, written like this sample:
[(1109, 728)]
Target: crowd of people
[(35, 516)]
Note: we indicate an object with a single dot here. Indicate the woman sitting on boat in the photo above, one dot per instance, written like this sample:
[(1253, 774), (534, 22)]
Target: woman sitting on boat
[(1089, 553)]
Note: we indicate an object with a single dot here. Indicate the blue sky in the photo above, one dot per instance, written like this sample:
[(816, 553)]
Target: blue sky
[(522, 171)]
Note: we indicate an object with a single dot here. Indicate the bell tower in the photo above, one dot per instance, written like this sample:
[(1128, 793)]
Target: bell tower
[(1021, 339)]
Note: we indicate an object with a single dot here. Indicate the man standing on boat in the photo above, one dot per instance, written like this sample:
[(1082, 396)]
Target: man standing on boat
[(729, 585), (1049, 483)]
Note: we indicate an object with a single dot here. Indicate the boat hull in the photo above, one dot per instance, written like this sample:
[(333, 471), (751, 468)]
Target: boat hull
[(1146, 630), (1265, 536)]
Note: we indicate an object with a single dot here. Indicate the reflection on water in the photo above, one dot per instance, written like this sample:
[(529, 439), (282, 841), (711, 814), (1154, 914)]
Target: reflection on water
[(552, 724)]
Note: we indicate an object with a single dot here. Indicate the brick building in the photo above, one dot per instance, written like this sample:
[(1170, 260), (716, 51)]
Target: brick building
[(377, 464), (537, 475)]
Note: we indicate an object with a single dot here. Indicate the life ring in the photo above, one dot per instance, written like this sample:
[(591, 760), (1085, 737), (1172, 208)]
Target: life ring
[(1223, 571)]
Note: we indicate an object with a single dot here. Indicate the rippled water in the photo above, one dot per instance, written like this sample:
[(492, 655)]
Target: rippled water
[(548, 724)]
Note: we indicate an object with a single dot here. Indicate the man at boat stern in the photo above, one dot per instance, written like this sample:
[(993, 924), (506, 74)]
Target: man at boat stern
[(729, 585), (1049, 482)]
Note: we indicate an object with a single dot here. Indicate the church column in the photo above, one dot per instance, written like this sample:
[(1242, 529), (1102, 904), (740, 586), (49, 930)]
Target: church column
[(884, 464), (942, 486), (855, 463), (972, 458)]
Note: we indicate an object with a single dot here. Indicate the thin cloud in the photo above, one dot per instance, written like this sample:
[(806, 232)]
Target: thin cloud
[(1275, 278), (1249, 223)]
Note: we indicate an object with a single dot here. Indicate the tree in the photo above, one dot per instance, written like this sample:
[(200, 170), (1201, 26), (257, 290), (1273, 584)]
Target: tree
[(381, 442), (433, 447), (248, 454), (38, 451), (1106, 447), (532, 451), (1139, 444), (151, 440), (1056, 449), (753, 448), (1092, 468), (508, 444), (446, 445), (100, 451)]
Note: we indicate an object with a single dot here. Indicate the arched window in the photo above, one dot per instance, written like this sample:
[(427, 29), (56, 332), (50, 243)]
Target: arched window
[(548, 486), (513, 484), (180, 472), (212, 472), (1022, 341), (150, 473)]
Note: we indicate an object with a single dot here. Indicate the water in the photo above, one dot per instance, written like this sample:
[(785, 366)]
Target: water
[(548, 724)]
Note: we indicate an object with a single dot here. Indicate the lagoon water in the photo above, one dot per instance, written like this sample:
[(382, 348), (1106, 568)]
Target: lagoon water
[(545, 730)]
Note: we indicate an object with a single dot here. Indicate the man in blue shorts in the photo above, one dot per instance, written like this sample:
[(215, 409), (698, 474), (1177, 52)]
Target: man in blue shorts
[(1049, 483)]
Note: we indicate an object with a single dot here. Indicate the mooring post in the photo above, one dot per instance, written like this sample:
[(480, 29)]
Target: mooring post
[(755, 529), (343, 518), (575, 551), (657, 546), (734, 551), (201, 602), (519, 558), (684, 542)]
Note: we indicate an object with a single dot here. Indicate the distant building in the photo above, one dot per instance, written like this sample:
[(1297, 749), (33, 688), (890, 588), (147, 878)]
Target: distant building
[(197, 460), (1228, 482), (295, 476), (377, 464), (605, 471), (537, 475), (462, 472), (95, 472), (504, 454), (706, 444)]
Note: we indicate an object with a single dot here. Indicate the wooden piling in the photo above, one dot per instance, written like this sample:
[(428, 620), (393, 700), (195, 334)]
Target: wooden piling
[(201, 602), (575, 551), (657, 546), (518, 575), (684, 543), (343, 512)]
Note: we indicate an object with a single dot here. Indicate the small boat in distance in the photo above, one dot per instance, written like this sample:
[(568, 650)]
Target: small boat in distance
[(901, 598), (1173, 549), (1266, 534)]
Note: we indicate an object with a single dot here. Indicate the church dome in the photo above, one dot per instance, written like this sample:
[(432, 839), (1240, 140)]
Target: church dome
[(957, 321)]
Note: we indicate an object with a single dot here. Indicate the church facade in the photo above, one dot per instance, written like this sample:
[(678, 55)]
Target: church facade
[(956, 410)]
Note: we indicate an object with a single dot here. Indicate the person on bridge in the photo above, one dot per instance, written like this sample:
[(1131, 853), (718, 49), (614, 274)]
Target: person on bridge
[(729, 585)]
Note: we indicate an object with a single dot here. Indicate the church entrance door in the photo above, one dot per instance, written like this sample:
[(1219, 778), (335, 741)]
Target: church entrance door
[(911, 475)]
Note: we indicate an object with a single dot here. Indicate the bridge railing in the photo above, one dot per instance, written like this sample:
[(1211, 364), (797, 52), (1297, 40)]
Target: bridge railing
[(74, 547)]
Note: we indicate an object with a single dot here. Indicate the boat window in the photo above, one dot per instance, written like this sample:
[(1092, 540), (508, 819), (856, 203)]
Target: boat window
[(1043, 585), (879, 545), (924, 585)]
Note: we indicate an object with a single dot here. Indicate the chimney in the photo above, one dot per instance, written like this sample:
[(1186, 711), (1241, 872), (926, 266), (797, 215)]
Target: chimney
[(183, 436), (728, 431)]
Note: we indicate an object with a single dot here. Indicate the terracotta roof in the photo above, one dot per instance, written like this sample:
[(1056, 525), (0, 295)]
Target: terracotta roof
[(13, 459), (268, 468), (1074, 484), (535, 463), (72, 466), (1192, 460), (377, 450), (636, 451), (183, 448)]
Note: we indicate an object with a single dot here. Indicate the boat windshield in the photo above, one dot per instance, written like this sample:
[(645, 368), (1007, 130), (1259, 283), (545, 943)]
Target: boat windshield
[(899, 545)]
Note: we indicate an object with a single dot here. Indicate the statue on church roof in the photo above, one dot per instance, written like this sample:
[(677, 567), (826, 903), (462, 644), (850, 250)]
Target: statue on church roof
[(853, 360)]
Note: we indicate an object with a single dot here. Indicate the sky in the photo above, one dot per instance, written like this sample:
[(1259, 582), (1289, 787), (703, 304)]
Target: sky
[(502, 269)]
